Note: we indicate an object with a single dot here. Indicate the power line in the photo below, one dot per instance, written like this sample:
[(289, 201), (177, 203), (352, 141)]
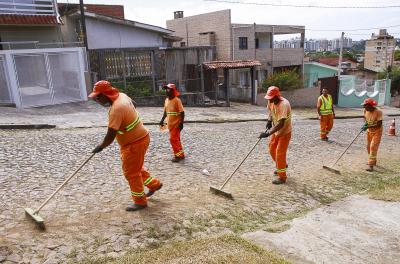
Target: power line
[(303, 6), (354, 29)]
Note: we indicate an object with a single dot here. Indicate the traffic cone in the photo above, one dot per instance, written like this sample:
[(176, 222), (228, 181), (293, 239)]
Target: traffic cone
[(392, 128)]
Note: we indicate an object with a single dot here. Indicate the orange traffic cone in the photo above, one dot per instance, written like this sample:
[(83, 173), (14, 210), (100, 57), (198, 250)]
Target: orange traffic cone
[(392, 128)]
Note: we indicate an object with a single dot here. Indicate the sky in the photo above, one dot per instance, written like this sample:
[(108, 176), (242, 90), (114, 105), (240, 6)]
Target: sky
[(158, 11)]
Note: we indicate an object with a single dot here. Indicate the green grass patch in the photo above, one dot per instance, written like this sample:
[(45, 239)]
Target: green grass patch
[(386, 190), (222, 249)]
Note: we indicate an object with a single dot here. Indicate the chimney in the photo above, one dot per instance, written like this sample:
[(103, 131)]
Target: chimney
[(382, 32), (178, 14)]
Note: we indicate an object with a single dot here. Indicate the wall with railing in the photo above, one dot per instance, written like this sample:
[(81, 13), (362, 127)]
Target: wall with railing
[(28, 7), (353, 91)]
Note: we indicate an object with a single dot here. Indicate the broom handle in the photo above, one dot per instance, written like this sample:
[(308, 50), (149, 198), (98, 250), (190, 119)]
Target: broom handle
[(65, 182), (248, 154), (347, 148)]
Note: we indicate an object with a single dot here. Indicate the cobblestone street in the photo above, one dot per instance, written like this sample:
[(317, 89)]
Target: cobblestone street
[(87, 218)]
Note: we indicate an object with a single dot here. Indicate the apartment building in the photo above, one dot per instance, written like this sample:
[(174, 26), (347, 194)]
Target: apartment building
[(379, 51), (240, 42)]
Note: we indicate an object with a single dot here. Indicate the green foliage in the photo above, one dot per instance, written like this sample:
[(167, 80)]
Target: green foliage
[(285, 80), (397, 55), (350, 55), (314, 56), (394, 75), (135, 88)]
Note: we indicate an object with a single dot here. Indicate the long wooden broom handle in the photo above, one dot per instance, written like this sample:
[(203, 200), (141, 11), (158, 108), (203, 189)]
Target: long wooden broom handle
[(347, 148), (248, 154), (64, 183)]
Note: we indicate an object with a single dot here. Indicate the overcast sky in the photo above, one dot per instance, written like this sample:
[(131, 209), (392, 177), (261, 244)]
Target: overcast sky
[(158, 11)]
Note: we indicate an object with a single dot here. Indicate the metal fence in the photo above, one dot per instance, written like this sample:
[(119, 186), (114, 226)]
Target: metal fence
[(141, 72), (42, 77)]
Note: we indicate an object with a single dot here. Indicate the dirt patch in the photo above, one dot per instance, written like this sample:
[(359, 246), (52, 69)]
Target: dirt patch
[(222, 249)]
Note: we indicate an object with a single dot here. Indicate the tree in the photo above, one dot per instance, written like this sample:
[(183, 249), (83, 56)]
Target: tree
[(394, 75), (285, 80), (397, 55)]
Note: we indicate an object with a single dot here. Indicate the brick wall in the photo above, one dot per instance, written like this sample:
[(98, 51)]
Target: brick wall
[(189, 28)]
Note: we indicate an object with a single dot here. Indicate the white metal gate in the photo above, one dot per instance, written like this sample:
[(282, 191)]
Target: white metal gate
[(5, 93), (41, 77), (381, 87)]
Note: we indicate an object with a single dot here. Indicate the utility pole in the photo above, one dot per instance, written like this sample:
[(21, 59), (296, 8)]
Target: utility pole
[(340, 56), (83, 24), (386, 62)]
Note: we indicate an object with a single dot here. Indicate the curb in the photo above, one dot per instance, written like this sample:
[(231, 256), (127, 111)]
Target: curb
[(337, 117), (186, 122), (351, 117), (26, 126), (215, 121)]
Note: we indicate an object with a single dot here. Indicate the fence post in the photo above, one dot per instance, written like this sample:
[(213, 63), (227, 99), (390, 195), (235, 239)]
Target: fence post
[(102, 66), (202, 83), (124, 68), (153, 77)]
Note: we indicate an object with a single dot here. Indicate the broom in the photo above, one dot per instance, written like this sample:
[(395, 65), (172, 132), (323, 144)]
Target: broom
[(34, 214), (219, 191), (331, 169)]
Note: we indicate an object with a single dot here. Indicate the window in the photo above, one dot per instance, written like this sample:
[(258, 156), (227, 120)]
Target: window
[(183, 44), (243, 43)]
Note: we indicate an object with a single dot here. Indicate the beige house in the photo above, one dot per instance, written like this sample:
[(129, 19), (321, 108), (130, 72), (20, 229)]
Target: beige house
[(240, 42), (379, 51)]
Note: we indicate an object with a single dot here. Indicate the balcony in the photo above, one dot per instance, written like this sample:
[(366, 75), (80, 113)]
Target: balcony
[(28, 7)]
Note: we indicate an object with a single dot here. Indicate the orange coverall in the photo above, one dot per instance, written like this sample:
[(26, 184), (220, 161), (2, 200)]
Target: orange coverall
[(134, 140), (326, 119), (374, 134), (279, 141), (174, 109)]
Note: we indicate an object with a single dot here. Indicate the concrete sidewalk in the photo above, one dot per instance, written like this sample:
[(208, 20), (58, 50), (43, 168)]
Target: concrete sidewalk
[(355, 230), (90, 114)]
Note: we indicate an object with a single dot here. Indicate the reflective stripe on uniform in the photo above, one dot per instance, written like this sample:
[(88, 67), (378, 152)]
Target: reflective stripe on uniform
[(136, 194), (130, 126), (372, 122), (146, 182), (281, 170), (180, 153), (326, 106), (173, 113)]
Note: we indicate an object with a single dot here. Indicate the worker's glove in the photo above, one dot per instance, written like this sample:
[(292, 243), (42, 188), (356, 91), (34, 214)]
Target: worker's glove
[(97, 149), (364, 127), (181, 126), (162, 123), (264, 134), (269, 124)]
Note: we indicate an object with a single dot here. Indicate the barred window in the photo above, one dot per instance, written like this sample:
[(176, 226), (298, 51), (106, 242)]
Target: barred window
[(243, 43)]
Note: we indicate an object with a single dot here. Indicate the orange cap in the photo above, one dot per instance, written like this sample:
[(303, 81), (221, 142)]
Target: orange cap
[(272, 92), (104, 87), (369, 101), (173, 87)]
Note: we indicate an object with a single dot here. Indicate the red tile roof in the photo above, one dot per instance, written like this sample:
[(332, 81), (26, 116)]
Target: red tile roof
[(333, 61), (27, 20), (106, 10), (236, 64)]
